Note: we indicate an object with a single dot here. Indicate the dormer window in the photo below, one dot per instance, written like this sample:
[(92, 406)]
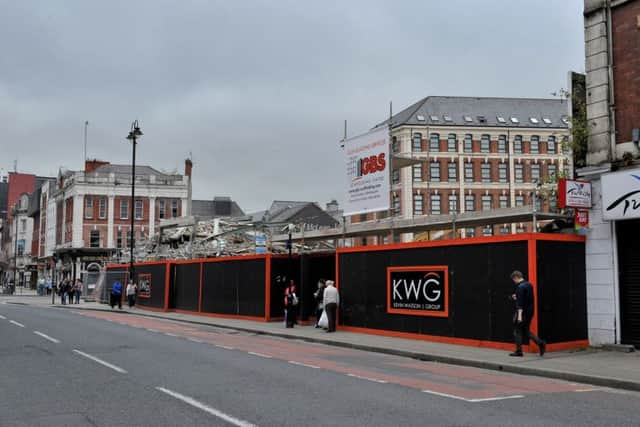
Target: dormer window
[(434, 118), (420, 118), (515, 120), (468, 119), (501, 119), (534, 120)]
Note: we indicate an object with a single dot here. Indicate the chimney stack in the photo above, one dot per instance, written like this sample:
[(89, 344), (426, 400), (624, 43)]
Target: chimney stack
[(188, 166), (91, 165)]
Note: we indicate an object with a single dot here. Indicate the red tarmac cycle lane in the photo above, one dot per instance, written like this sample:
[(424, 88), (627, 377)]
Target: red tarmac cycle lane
[(457, 382)]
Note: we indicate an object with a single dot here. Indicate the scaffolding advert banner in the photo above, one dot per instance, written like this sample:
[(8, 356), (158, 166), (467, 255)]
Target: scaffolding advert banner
[(367, 164)]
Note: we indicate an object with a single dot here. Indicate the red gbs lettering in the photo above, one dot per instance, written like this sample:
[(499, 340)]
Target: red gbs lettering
[(372, 164)]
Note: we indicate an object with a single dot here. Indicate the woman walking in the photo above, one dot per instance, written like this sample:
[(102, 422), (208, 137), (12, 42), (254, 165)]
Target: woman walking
[(131, 294), (319, 297)]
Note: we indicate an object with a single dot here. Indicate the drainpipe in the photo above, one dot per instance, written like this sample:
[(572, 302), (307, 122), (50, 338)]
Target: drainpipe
[(611, 94)]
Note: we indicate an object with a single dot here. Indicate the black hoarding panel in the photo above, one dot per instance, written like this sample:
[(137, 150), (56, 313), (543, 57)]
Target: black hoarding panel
[(234, 287), (282, 270), (186, 279), (562, 291), (151, 280), (478, 284), (314, 268)]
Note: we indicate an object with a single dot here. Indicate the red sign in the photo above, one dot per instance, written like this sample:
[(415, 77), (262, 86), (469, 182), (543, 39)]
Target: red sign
[(574, 194), (581, 220)]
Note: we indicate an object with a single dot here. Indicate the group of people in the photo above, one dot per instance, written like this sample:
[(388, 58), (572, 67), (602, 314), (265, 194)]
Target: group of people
[(70, 291), (327, 299), (115, 296)]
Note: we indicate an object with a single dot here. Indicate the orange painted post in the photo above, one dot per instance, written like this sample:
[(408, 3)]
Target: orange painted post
[(267, 288)]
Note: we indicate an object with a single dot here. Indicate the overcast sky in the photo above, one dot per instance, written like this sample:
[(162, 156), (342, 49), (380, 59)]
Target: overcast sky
[(257, 91)]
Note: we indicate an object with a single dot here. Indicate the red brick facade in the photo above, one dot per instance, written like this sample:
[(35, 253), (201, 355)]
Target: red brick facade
[(626, 68)]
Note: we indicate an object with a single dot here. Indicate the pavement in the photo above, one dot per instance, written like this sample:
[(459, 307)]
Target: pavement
[(595, 366)]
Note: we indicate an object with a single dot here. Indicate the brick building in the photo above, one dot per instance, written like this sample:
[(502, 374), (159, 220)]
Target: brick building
[(612, 52), (92, 210), (475, 154)]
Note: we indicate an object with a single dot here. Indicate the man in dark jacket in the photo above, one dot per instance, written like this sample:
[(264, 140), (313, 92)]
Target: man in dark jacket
[(524, 313), (116, 295)]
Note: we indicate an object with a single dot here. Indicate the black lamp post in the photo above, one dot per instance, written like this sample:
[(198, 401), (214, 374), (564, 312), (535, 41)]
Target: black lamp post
[(134, 134), (15, 250)]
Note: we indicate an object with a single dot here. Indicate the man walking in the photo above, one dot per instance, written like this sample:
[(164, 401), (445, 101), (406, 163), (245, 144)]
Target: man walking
[(524, 313), (116, 295), (331, 300)]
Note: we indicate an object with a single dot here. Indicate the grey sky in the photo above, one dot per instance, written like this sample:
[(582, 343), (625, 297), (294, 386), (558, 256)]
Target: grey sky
[(257, 90)]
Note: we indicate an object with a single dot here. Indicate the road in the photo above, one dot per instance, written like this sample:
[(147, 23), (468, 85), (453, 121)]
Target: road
[(65, 367)]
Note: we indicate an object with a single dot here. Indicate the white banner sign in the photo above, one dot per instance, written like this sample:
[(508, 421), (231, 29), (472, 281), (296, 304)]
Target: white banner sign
[(367, 169), (621, 195)]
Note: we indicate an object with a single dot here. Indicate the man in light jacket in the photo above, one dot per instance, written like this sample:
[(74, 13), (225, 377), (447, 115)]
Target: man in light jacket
[(331, 300)]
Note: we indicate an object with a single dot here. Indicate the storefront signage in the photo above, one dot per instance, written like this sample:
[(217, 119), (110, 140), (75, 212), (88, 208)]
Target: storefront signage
[(367, 172), (581, 221), (621, 195), (574, 194), (418, 291)]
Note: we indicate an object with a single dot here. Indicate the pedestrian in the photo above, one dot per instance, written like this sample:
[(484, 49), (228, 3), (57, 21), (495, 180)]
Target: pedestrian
[(70, 288), (319, 297), (524, 299), (331, 301), (131, 294), (116, 295), (62, 291), (290, 303), (78, 290)]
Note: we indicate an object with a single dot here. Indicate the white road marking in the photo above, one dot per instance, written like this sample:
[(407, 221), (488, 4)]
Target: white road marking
[(375, 380), (169, 334), (47, 337), (151, 330), (486, 399), (100, 361), (266, 356), (584, 390), (186, 399), (195, 340), (2, 317), (293, 362), (224, 346), (16, 323)]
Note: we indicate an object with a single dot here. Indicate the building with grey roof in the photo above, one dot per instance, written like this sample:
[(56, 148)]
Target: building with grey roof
[(473, 154)]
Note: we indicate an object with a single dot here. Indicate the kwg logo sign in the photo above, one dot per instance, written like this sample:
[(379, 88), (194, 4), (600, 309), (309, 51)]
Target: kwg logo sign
[(629, 200), (418, 291)]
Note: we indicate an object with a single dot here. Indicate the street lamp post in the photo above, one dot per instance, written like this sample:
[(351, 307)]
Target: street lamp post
[(134, 134), (15, 251)]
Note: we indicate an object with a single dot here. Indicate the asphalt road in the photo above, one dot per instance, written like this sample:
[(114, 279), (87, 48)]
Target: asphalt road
[(62, 367)]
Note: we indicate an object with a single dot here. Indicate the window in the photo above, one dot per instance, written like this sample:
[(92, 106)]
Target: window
[(504, 201), (417, 173), (453, 171), (418, 208), (420, 118), (552, 170), (20, 247), (162, 209), (520, 229), (565, 120), (519, 172), (434, 118), (538, 204), (174, 208), (481, 119), (95, 239), (485, 170), (535, 172), (453, 203), (124, 209), (434, 142), (470, 232), (452, 143), (553, 203), (119, 239), (504, 230), (551, 145), (23, 225), (468, 172), (435, 171), (468, 143), (395, 176), (396, 204), (448, 119), (535, 145), (485, 143), (515, 120), (502, 172), (501, 119), (487, 202), (502, 144), (364, 217), (534, 120), (487, 230), (88, 207), (519, 201), (129, 239), (469, 203), (468, 119), (417, 142), (517, 144), (139, 209), (395, 146), (102, 208), (546, 120), (435, 204)]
